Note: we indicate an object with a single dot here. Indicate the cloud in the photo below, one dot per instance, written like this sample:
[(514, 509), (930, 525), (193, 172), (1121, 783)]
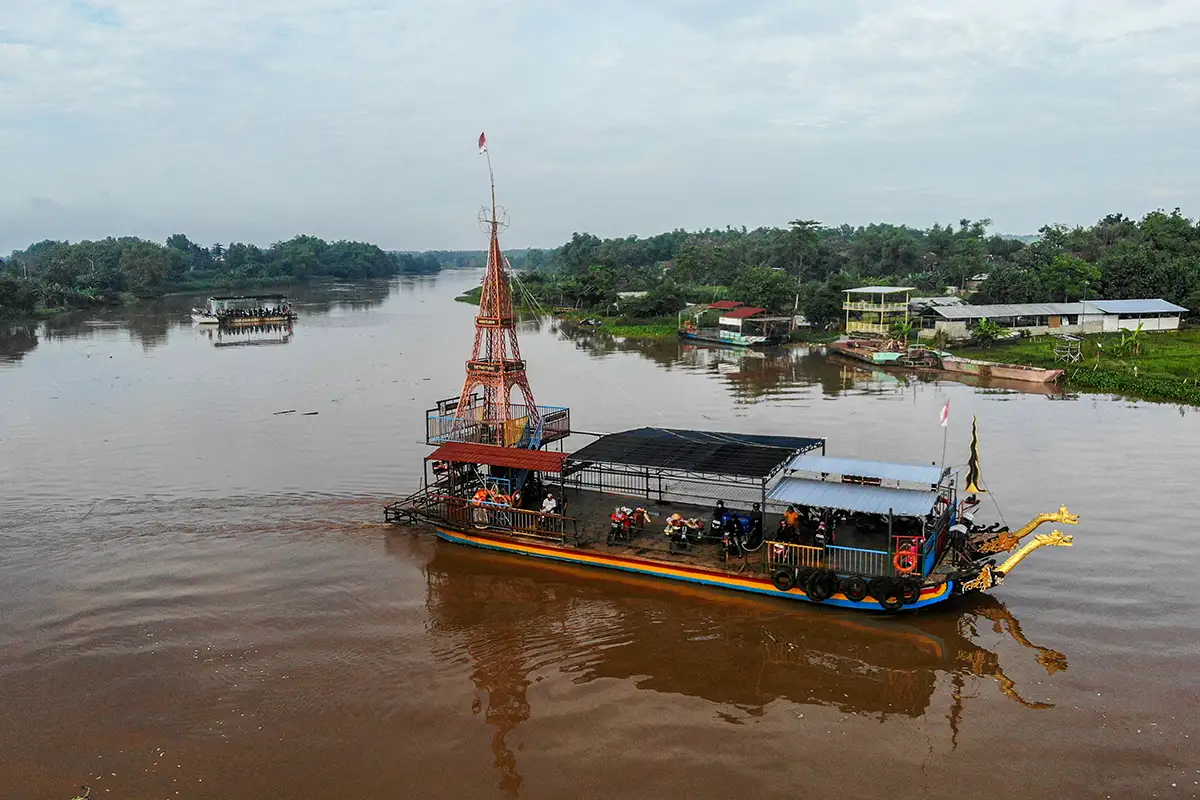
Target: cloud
[(255, 121)]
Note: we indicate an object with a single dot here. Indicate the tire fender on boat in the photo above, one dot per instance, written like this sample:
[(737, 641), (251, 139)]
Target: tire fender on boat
[(821, 586), (887, 592), (783, 579), (910, 591), (855, 588)]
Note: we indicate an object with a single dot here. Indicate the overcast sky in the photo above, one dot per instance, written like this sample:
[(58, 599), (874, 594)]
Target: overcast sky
[(254, 120)]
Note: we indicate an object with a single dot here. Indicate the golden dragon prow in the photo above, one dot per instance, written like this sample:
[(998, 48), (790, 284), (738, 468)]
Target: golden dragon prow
[(1004, 541), (989, 576)]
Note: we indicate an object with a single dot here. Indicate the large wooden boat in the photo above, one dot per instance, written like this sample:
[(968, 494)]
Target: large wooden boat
[(992, 369), (768, 514), (244, 310)]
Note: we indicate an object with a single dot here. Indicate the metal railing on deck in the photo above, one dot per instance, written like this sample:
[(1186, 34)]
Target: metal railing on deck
[(442, 428), (468, 515), (855, 561), (783, 554), (848, 560)]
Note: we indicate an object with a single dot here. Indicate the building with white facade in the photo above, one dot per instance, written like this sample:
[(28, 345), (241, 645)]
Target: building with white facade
[(1037, 319)]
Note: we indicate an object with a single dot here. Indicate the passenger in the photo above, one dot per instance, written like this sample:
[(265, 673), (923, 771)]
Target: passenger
[(549, 504), (791, 518), (719, 511), (755, 534)]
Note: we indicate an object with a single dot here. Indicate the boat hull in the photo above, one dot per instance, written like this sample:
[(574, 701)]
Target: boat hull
[(737, 340), (210, 319), (930, 595), (990, 369)]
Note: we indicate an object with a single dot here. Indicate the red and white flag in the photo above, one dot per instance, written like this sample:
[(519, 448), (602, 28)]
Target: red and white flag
[(946, 414), (482, 144)]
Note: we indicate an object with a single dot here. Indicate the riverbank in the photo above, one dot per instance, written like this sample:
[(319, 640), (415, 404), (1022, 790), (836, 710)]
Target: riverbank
[(1167, 369)]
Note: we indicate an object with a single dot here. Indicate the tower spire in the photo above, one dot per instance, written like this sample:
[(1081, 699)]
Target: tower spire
[(496, 367)]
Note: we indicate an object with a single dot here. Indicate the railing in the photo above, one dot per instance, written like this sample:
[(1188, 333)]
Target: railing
[(867, 327), (847, 560), (442, 428), (468, 515), (782, 554), (859, 305), (854, 561)]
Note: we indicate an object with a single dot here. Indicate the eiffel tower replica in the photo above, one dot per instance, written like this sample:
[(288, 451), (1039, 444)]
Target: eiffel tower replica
[(487, 411)]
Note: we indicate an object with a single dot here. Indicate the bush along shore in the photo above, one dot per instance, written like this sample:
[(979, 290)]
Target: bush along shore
[(1155, 366)]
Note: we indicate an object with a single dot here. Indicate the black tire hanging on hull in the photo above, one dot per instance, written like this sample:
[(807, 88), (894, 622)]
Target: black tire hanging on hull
[(887, 592), (855, 588), (783, 579), (821, 586)]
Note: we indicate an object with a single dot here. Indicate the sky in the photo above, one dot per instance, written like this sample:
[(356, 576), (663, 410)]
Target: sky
[(255, 120)]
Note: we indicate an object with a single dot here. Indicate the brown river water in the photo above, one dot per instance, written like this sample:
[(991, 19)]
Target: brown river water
[(199, 599)]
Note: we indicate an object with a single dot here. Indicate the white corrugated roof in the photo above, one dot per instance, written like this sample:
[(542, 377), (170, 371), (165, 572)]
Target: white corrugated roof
[(879, 289), (884, 470), (853, 497)]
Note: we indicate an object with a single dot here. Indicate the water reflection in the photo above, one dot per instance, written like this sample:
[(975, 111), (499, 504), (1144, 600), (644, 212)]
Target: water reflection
[(245, 335), (16, 340), (518, 621), (751, 374)]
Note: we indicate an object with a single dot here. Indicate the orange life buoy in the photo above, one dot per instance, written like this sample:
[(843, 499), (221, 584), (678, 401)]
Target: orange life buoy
[(480, 496), (905, 560)]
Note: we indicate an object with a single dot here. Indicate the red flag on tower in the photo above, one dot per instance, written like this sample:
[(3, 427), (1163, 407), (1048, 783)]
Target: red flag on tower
[(482, 144), (946, 414)]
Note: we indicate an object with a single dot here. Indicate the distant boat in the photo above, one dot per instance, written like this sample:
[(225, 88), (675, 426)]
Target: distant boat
[(244, 310)]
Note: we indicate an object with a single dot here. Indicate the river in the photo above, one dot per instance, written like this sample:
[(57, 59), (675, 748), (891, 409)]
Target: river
[(200, 599)]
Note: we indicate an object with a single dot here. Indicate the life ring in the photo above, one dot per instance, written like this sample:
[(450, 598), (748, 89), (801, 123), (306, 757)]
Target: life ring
[(854, 588), (887, 593), (501, 499), (905, 560), (783, 579), (481, 496), (910, 591), (821, 586)]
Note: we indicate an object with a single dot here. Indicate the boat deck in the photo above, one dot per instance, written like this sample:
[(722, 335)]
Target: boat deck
[(593, 509)]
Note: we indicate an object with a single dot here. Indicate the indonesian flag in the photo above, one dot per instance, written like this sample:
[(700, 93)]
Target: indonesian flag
[(946, 414), (482, 144)]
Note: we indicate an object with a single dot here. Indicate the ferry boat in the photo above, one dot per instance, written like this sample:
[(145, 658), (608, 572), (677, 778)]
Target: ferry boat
[(769, 514), (244, 310)]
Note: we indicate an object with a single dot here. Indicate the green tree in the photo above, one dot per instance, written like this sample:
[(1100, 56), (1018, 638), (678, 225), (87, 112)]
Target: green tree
[(766, 287), (986, 332)]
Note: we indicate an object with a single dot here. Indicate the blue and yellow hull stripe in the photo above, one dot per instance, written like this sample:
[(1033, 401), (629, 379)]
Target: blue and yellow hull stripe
[(930, 595)]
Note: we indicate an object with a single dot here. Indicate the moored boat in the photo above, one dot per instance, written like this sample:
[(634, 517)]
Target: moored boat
[(884, 353), (244, 310), (766, 514), (992, 369)]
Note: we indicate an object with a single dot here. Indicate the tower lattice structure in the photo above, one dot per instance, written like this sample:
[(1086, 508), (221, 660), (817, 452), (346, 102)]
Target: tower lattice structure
[(496, 367)]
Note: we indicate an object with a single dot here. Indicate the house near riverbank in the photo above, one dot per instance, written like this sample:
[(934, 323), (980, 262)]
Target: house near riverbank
[(1039, 319)]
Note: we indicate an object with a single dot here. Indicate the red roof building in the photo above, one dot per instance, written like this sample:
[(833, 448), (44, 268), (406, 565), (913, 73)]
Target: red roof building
[(742, 313), (726, 305)]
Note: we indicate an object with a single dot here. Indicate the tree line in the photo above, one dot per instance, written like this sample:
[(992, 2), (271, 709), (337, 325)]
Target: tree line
[(61, 275), (805, 266)]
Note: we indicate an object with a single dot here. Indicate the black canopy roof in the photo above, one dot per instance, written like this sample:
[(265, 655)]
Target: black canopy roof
[(706, 452)]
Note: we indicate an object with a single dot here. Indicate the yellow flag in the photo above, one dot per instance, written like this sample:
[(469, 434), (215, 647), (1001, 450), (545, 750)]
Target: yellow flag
[(973, 476)]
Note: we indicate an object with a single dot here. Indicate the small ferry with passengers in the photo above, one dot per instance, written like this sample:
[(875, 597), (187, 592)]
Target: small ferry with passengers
[(244, 310), (770, 514)]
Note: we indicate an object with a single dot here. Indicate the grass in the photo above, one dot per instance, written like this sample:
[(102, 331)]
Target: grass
[(473, 296), (1167, 369)]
